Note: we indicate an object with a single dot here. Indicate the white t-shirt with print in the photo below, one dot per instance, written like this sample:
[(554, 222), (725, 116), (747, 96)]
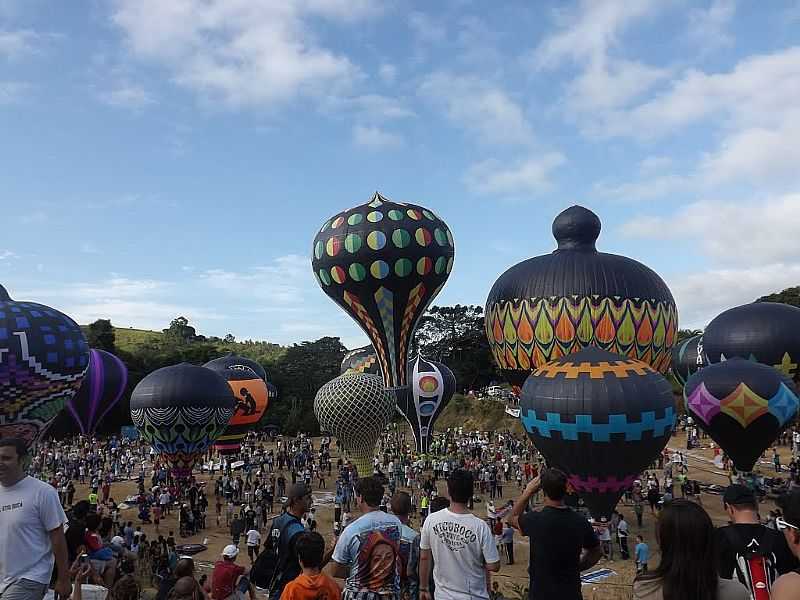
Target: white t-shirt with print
[(461, 546), (29, 511), (253, 537)]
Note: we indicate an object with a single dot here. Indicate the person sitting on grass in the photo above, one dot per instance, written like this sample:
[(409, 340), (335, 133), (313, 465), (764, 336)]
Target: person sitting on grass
[(312, 582)]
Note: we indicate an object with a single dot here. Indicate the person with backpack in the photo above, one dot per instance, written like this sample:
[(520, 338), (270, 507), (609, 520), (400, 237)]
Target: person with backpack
[(787, 587), (747, 550), (278, 563)]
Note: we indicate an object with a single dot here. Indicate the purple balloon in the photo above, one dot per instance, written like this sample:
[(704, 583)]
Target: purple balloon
[(103, 386)]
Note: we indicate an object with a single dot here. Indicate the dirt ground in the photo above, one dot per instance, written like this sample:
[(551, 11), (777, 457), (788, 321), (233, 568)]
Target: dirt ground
[(510, 577)]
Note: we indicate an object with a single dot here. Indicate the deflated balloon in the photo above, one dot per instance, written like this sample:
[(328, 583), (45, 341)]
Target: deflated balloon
[(553, 305), (766, 332), (600, 417), (742, 405), (181, 410), (43, 358), (103, 386), (247, 380)]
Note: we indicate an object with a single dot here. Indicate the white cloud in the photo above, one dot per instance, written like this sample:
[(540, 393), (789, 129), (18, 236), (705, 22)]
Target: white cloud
[(375, 137), (730, 233), (527, 176), (387, 73), (18, 43), (425, 28), (479, 107), (284, 282), (607, 84), (13, 92), (645, 189), (371, 107), (8, 255), (127, 95), (651, 164), (708, 27), (248, 54), (703, 295)]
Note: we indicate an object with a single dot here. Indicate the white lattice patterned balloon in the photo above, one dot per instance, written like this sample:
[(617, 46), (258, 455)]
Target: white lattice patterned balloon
[(355, 408)]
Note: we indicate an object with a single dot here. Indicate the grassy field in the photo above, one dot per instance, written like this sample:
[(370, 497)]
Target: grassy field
[(130, 339)]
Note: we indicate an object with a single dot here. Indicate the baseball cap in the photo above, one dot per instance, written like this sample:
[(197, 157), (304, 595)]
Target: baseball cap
[(738, 494), (230, 551), (296, 491), (118, 541)]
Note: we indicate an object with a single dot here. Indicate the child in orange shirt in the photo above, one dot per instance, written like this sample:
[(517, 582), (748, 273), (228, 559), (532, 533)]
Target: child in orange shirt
[(312, 583)]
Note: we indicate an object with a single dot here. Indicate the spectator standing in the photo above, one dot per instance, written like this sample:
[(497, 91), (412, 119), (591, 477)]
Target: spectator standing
[(562, 542), (622, 534), (312, 583), (31, 530), (229, 580), (409, 547), (253, 542), (747, 550), (641, 554), (367, 552), (787, 587), (508, 542), (461, 546), (687, 570)]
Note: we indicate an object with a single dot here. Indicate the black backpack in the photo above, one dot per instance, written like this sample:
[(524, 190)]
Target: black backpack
[(268, 568), (756, 564)]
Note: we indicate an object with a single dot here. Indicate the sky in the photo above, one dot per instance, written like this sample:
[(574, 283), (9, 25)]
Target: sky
[(175, 158)]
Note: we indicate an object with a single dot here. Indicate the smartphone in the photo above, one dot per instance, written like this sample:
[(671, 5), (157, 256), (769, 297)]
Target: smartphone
[(84, 559)]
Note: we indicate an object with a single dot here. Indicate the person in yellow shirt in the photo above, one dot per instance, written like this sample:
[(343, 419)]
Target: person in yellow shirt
[(312, 583)]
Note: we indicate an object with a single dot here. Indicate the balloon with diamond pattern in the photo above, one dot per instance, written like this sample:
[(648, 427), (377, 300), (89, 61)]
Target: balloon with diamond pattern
[(743, 405)]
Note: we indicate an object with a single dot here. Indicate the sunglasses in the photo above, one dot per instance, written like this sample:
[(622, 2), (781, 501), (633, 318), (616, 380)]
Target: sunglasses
[(783, 524)]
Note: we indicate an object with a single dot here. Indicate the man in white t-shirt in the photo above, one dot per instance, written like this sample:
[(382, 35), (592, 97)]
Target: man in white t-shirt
[(461, 546), (31, 530), (253, 542)]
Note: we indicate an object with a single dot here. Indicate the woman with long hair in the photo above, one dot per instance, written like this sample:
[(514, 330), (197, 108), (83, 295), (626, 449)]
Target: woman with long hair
[(688, 567)]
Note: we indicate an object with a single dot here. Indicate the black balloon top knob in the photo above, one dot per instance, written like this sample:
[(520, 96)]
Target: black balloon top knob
[(576, 228), (4, 294)]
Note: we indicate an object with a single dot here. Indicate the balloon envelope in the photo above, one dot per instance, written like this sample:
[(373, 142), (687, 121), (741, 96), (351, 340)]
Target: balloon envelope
[(247, 381), (553, 305), (742, 405), (103, 386), (361, 360), (432, 386), (355, 408), (600, 417), (43, 358), (181, 410), (384, 262), (766, 332), (687, 358)]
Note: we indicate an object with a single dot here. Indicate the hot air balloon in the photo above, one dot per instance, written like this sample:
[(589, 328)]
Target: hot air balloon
[(549, 306), (384, 262), (766, 332), (247, 379), (355, 408), (687, 358), (102, 388), (742, 405), (181, 410), (43, 358), (432, 386), (600, 417), (361, 360)]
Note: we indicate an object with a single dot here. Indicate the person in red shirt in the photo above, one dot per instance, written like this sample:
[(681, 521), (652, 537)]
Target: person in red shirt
[(228, 580)]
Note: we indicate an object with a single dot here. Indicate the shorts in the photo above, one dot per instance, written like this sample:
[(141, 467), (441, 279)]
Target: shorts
[(24, 589)]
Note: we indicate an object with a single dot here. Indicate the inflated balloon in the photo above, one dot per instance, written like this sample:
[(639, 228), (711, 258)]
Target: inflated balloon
[(432, 386), (383, 263), (766, 332), (687, 358), (361, 360), (355, 408), (181, 410), (43, 358), (742, 405), (103, 386), (600, 417), (247, 379), (553, 305)]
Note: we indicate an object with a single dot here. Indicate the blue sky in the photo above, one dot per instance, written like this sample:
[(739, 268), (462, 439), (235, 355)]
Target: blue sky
[(176, 158)]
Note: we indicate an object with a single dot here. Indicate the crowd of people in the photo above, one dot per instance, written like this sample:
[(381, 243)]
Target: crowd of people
[(395, 533)]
